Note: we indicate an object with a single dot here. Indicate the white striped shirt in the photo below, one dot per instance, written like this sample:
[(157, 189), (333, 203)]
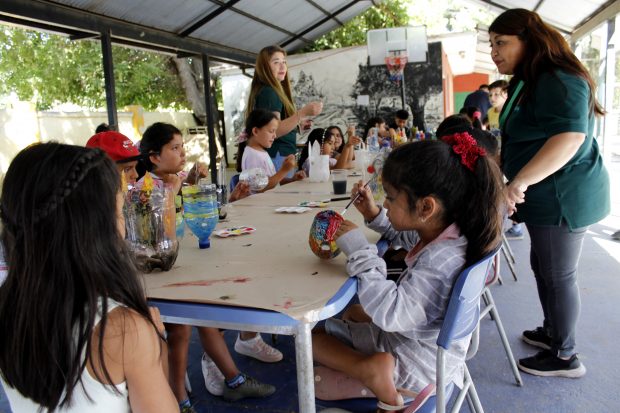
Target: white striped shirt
[(411, 311)]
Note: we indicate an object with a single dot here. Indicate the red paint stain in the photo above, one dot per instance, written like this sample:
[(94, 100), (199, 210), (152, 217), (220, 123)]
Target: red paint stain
[(287, 304), (207, 283), (241, 280)]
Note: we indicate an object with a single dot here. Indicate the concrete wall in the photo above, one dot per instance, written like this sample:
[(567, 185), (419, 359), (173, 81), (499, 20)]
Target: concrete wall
[(21, 125)]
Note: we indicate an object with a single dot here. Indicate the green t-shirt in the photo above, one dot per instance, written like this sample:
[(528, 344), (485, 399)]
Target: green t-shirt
[(269, 100), (578, 193)]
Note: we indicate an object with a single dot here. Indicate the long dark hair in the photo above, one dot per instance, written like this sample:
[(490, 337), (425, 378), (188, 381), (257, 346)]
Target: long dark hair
[(256, 119), (471, 199), (153, 139), (317, 135), (473, 115), (329, 129), (65, 256), (545, 51)]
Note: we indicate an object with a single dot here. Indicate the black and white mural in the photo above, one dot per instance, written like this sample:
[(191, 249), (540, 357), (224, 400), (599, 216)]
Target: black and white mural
[(343, 81)]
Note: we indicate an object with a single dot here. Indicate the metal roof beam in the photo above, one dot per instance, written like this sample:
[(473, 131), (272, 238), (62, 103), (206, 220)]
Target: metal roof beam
[(325, 12), (605, 12), (208, 18), (69, 20), (504, 8), (537, 6), (319, 23), (263, 22)]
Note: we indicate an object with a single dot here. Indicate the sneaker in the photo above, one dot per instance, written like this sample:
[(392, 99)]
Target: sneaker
[(616, 236), (514, 233), (258, 349), (546, 364), (537, 338), (188, 409), (214, 379), (250, 388)]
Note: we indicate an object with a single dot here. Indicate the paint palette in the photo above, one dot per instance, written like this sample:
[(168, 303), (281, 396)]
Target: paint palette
[(234, 231), (313, 204), (293, 210)]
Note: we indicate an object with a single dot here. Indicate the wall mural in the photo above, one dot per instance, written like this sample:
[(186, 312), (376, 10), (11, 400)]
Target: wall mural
[(337, 78), (423, 93)]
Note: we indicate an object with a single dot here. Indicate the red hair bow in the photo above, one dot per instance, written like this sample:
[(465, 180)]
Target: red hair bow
[(465, 145)]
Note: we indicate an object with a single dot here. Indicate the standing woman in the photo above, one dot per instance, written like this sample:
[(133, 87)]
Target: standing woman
[(557, 185), (271, 90)]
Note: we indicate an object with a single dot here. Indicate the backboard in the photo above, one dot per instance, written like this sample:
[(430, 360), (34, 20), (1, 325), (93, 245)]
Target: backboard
[(411, 40)]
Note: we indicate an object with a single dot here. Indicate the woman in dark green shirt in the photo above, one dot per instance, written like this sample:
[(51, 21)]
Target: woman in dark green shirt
[(557, 185), (271, 90)]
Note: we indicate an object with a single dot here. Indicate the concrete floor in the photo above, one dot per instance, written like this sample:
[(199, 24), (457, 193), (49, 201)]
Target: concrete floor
[(598, 334)]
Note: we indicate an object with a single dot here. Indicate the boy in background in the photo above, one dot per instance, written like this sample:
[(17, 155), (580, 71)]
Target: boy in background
[(498, 93), (400, 121)]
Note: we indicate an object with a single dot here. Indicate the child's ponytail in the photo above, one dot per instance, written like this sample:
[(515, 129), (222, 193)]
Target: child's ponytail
[(460, 175), (479, 216), (482, 213)]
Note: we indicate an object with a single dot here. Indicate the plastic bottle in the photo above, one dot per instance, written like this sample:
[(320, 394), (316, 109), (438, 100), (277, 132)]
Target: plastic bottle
[(373, 140), (201, 214)]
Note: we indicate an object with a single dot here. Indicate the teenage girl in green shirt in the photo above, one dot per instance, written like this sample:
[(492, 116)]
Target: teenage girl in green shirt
[(271, 90), (557, 184)]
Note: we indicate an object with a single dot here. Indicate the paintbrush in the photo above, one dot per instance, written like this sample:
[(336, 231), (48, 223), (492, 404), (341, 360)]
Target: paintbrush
[(372, 178)]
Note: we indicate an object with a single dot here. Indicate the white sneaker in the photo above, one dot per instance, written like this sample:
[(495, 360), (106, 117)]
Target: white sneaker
[(214, 379), (258, 349)]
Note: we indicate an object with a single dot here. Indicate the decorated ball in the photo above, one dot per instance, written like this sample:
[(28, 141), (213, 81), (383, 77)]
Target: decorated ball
[(322, 233)]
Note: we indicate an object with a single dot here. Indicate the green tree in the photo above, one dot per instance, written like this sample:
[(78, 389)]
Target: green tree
[(391, 13), (439, 16), (50, 69)]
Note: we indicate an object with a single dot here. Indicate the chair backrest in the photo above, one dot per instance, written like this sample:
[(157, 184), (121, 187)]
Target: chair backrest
[(464, 306), (234, 180)]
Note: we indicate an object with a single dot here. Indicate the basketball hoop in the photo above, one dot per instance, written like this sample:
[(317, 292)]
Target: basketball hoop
[(396, 62)]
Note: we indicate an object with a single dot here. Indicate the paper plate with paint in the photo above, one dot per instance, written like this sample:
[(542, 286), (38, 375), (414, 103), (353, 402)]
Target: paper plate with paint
[(293, 210), (230, 232), (322, 232), (314, 204)]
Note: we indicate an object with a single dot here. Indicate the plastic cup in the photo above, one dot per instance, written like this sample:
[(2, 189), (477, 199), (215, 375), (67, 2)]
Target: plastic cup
[(339, 181)]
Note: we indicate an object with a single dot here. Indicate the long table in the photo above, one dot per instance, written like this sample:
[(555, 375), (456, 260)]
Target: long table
[(268, 281)]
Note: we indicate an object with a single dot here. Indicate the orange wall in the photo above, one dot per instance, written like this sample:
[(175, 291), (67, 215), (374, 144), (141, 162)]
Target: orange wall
[(469, 82)]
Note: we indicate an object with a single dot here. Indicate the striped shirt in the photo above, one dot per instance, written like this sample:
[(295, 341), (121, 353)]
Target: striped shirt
[(411, 311)]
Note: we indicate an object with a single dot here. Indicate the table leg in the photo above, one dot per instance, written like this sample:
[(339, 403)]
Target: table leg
[(305, 370)]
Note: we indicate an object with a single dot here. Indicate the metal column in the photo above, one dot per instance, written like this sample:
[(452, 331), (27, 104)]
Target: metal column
[(108, 74), (305, 370), (210, 118)]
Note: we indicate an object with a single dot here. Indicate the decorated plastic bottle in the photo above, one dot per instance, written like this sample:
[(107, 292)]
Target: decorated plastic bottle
[(373, 140), (401, 133), (151, 225), (201, 213)]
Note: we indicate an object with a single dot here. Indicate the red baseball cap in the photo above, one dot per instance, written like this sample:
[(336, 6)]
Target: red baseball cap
[(118, 146)]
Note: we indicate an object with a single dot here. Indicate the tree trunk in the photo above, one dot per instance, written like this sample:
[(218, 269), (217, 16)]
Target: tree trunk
[(193, 92)]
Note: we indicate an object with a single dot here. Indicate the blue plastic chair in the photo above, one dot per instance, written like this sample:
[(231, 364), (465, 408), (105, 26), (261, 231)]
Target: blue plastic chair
[(234, 180), (461, 320)]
